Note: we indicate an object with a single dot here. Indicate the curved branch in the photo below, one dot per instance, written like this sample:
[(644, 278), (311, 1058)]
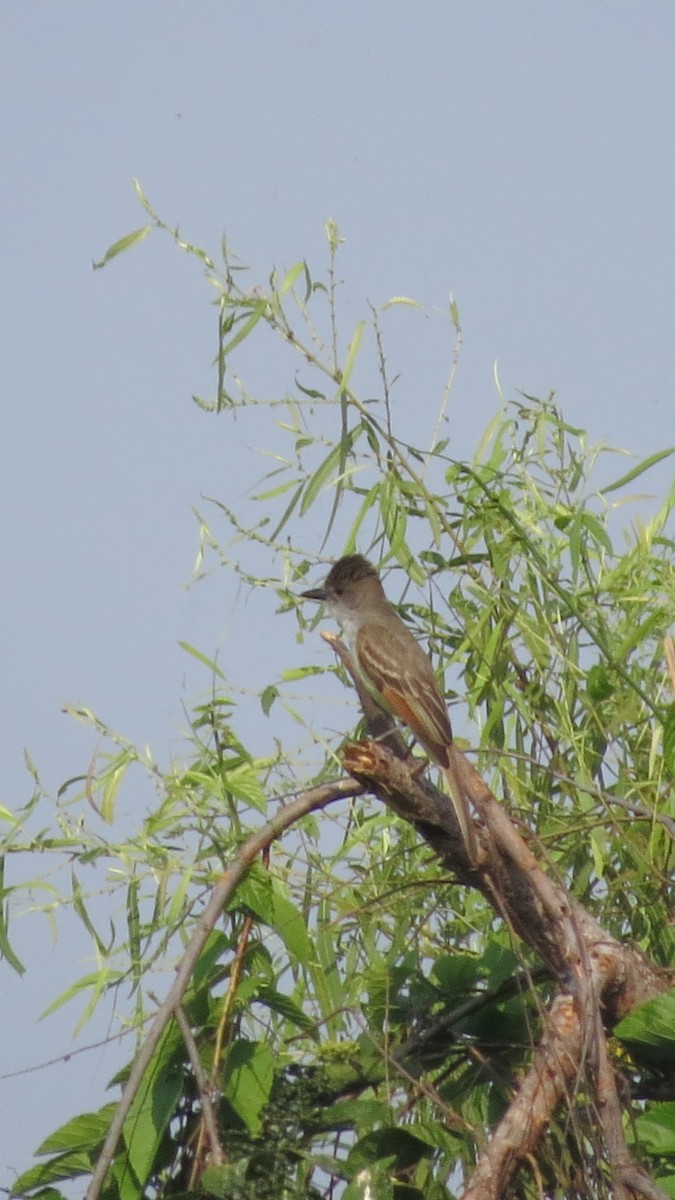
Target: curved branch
[(309, 801), (600, 979)]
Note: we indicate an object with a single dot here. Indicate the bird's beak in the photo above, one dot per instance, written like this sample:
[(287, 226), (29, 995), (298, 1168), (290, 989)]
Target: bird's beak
[(314, 594)]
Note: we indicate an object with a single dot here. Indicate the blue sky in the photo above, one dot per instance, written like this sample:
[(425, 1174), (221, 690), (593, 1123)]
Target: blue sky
[(519, 156)]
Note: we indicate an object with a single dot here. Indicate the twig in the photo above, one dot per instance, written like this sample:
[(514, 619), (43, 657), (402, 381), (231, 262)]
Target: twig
[(216, 1152)]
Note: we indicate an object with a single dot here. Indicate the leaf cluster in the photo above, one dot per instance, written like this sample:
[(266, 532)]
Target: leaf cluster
[(360, 1022)]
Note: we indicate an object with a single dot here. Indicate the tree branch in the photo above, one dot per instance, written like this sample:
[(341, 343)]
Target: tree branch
[(600, 979), (307, 802)]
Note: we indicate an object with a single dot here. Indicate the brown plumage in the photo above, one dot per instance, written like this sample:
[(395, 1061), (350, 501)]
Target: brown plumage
[(394, 668)]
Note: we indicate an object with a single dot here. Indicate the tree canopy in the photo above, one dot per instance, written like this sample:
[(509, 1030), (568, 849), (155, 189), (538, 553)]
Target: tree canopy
[(356, 1011)]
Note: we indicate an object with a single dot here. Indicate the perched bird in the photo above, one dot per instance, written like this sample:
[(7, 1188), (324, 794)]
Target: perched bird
[(394, 668)]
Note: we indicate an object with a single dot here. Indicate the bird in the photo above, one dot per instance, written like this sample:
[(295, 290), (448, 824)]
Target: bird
[(395, 669)]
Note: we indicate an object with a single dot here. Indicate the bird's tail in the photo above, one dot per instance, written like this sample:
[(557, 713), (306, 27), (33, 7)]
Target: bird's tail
[(463, 814)]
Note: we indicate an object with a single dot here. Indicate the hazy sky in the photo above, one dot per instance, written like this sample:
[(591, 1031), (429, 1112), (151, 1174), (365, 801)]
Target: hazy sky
[(519, 155)]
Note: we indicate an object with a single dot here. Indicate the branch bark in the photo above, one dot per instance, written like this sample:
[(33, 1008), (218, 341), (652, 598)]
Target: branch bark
[(309, 801), (599, 978)]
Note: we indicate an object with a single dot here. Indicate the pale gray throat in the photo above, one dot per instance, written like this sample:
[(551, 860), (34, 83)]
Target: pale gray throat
[(347, 619)]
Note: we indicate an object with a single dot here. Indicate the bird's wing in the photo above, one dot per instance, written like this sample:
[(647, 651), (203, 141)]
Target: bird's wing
[(400, 676)]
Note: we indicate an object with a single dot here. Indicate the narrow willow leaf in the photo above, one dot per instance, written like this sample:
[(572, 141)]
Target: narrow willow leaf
[(298, 269), (574, 541), (294, 673), (5, 948), (124, 243), (598, 531), (280, 490), (368, 502), (202, 658), (287, 513), (395, 300), (332, 463), (641, 467), (454, 315), (325, 975), (431, 509), (175, 913), (669, 741), (311, 392), (141, 196), (109, 783), (96, 980), (80, 909), (351, 357), (245, 329), (641, 631)]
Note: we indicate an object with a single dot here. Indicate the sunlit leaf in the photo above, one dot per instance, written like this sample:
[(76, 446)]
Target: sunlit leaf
[(124, 243), (203, 658), (249, 1077), (639, 469), (352, 353)]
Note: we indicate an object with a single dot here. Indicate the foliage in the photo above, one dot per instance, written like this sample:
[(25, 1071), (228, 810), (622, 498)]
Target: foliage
[(361, 1020)]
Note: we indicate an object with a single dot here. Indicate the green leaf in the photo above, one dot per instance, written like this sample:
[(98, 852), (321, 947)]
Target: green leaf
[(641, 467), (244, 782), (396, 300), (669, 740), (107, 784), (597, 531), (641, 630), (154, 1105), (5, 947), (368, 502), (85, 1132), (249, 1069), (331, 465), (298, 269), (124, 243), (394, 1144), (652, 1025), (226, 1181), (267, 698), (354, 1114), (656, 1128), (286, 1008), (351, 357), (325, 972), (266, 898), (244, 330), (599, 683), (202, 658), (64, 1166), (279, 490), (96, 982), (287, 512), (294, 673), (80, 909)]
